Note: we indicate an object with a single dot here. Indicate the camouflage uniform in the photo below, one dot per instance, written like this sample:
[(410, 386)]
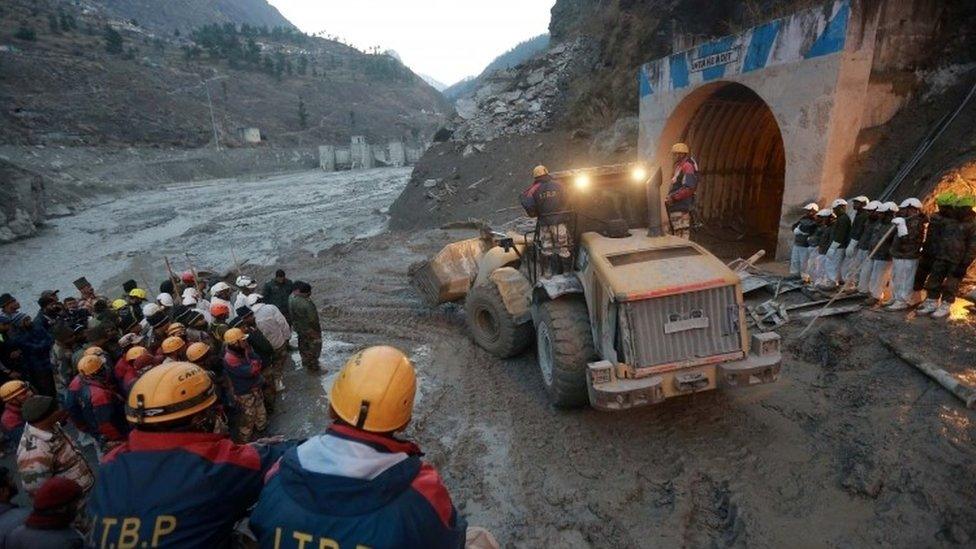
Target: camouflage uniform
[(305, 322), (42, 455), (253, 415)]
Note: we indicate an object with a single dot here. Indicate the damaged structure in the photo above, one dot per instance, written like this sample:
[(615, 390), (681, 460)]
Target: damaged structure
[(360, 154), (778, 115)]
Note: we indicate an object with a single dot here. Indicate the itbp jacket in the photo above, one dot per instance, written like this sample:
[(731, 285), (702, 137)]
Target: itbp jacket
[(181, 490), (350, 488)]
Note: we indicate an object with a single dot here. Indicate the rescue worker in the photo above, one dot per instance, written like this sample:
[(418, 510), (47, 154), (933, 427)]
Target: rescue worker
[(172, 349), (88, 295), (305, 322), (880, 274), (859, 216), (551, 207), (135, 299), (13, 393), (955, 255), (277, 291), (45, 450), (156, 332), (9, 304), (357, 485), (125, 371), (175, 482), (245, 287), (869, 215), (906, 249), (219, 326), (825, 219), (802, 231), (11, 356), (95, 406), (864, 248), (274, 327), (243, 367), (220, 294), (681, 196), (840, 236), (203, 356), (66, 342), (933, 236), (35, 344), (140, 365), (50, 523)]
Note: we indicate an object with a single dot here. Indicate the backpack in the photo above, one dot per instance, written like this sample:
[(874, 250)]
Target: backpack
[(527, 199)]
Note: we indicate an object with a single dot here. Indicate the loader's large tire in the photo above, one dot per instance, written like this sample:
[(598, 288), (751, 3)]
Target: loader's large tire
[(565, 345), (490, 324)]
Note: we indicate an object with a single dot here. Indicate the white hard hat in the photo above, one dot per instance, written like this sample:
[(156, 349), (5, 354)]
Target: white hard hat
[(838, 202), (150, 309), (888, 207), (911, 202), (812, 207), (872, 205), (245, 281), (191, 292), (189, 300), (825, 213), (252, 299), (861, 198), (219, 287), (164, 299)]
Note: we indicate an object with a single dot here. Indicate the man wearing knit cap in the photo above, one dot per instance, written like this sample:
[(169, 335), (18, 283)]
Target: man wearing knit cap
[(50, 524)]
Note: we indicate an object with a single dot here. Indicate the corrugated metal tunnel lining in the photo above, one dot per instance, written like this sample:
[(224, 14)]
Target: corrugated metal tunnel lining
[(739, 148)]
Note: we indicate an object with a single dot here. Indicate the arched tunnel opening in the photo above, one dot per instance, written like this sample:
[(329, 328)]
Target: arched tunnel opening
[(736, 140)]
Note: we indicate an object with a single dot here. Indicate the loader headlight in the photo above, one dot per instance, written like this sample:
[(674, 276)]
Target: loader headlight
[(582, 181), (639, 174)]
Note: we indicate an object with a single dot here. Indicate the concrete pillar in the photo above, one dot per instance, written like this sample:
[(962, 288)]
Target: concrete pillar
[(398, 155), (327, 157)]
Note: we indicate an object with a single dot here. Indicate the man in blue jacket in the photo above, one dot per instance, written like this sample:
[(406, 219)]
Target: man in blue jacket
[(358, 485), (175, 482)]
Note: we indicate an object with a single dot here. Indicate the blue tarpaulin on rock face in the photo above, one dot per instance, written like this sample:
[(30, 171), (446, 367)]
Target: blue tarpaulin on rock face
[(806, 34)]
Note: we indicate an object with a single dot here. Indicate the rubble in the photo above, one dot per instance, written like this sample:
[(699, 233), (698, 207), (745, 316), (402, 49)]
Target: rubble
[(516, 101)]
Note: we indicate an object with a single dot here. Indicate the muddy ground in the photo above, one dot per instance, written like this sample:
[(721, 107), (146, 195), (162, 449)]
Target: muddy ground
[(851, 448)]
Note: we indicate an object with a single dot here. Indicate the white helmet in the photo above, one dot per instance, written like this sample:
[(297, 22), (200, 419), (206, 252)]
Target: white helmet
[(189, 300), (838, 202), (165, 299), (872, 206), (911, 203), (252, 299), (888, 207), (245, 281), (861, 198), (825, 212), (191, 292), (150, 309), (219, 287), (812, 207)]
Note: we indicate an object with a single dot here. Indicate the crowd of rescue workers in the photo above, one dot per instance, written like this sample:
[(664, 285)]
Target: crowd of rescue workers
[(172, 395)]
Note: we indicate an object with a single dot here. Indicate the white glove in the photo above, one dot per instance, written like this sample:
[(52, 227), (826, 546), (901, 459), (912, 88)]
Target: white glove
[(797, 231), (899, 221), (852, 247), (834, 245)]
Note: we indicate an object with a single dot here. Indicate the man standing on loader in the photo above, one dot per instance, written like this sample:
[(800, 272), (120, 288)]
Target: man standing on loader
[(546, 200), (681, 195)]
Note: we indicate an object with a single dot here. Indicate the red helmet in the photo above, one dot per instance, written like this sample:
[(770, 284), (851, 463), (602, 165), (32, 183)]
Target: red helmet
[(219, 309), (187, 277)]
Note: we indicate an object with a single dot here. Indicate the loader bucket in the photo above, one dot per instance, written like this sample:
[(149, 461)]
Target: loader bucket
[(448, 275)]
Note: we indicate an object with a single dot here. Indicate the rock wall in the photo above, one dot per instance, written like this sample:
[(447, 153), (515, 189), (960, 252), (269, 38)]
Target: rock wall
[(22, 204)]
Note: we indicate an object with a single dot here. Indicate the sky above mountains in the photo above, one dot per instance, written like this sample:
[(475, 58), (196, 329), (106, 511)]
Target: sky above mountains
[(446, 39)]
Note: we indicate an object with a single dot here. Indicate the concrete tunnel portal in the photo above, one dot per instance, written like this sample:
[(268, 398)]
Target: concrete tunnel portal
[(737, 142)]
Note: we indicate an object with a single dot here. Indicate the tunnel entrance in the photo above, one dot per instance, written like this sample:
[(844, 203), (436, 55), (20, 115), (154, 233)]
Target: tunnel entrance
[(737, 142)]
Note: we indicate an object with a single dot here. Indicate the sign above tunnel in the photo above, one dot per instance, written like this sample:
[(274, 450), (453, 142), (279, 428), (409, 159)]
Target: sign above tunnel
[(806, 34)]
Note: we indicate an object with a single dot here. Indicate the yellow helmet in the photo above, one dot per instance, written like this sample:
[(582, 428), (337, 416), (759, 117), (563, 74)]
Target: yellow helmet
[(135, 352), (540, 171), (137, 292), (175, 329), (118, 304), (172, 344), (196, 351), (234, 335), (375, 390), (13, 389), (94, 350), (91, 364), (169, 392), (680, 148)]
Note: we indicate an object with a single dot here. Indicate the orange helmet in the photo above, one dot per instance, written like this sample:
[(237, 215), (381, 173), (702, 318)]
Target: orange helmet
[(172, 344), (196, 351), (219, 309)]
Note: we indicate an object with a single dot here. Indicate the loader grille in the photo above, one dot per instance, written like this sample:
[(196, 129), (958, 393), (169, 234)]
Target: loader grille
[(681, 327)]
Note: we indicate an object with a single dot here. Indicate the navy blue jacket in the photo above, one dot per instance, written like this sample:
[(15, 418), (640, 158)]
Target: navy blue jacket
[(550, 201), (309, 502), (176, 489)]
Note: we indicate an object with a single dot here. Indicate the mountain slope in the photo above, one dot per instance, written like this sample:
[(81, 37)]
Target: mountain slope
[(522, 52), (169, 15), (64, 87)]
